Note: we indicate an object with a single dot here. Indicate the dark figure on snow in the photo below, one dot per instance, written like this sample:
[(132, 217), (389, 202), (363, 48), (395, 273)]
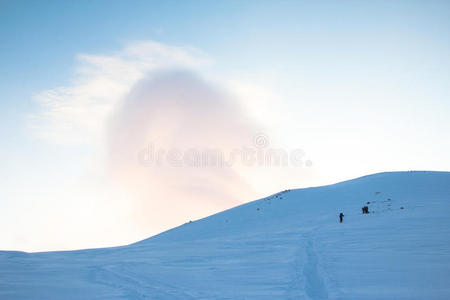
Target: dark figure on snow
[(363, 209), (341, 217), (366, 209)]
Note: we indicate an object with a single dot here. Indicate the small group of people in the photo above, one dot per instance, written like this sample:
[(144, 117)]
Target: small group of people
[(365, 209)]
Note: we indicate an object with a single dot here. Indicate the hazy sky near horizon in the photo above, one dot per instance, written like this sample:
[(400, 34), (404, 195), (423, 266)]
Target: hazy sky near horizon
[(87, 86)]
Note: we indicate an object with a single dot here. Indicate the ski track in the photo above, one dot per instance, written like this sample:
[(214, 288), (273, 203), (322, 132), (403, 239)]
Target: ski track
[(306, 282), (296, 289), (315, 287)]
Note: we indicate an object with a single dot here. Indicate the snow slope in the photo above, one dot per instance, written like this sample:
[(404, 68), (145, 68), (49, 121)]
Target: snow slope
[(286, 246)]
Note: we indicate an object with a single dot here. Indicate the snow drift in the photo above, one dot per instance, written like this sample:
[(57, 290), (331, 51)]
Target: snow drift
[(286, 246)]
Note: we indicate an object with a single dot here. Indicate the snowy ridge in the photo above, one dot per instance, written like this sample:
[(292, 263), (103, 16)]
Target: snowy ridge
[(286, 246)]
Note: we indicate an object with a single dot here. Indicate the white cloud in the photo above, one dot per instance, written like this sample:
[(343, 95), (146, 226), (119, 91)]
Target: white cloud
[(76, 114)]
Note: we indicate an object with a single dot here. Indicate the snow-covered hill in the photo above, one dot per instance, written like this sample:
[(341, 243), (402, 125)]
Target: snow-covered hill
[(286, 246)]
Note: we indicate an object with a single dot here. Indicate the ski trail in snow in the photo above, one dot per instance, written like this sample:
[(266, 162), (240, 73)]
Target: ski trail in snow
[(296, 288), (307, 282), (314, 284)]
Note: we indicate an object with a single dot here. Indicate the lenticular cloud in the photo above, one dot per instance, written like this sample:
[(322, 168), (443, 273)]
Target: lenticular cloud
[(157, 142)]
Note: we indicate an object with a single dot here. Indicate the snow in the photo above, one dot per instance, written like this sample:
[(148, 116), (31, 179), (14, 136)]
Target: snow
[(286, 246)]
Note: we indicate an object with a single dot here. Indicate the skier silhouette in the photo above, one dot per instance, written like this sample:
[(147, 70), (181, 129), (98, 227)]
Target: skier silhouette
[(341, 217)]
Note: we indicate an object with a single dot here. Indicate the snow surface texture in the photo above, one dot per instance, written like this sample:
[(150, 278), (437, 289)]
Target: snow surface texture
[(286, 246)]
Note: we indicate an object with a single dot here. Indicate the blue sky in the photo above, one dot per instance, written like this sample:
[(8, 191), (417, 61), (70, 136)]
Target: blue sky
[(361, 87)]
